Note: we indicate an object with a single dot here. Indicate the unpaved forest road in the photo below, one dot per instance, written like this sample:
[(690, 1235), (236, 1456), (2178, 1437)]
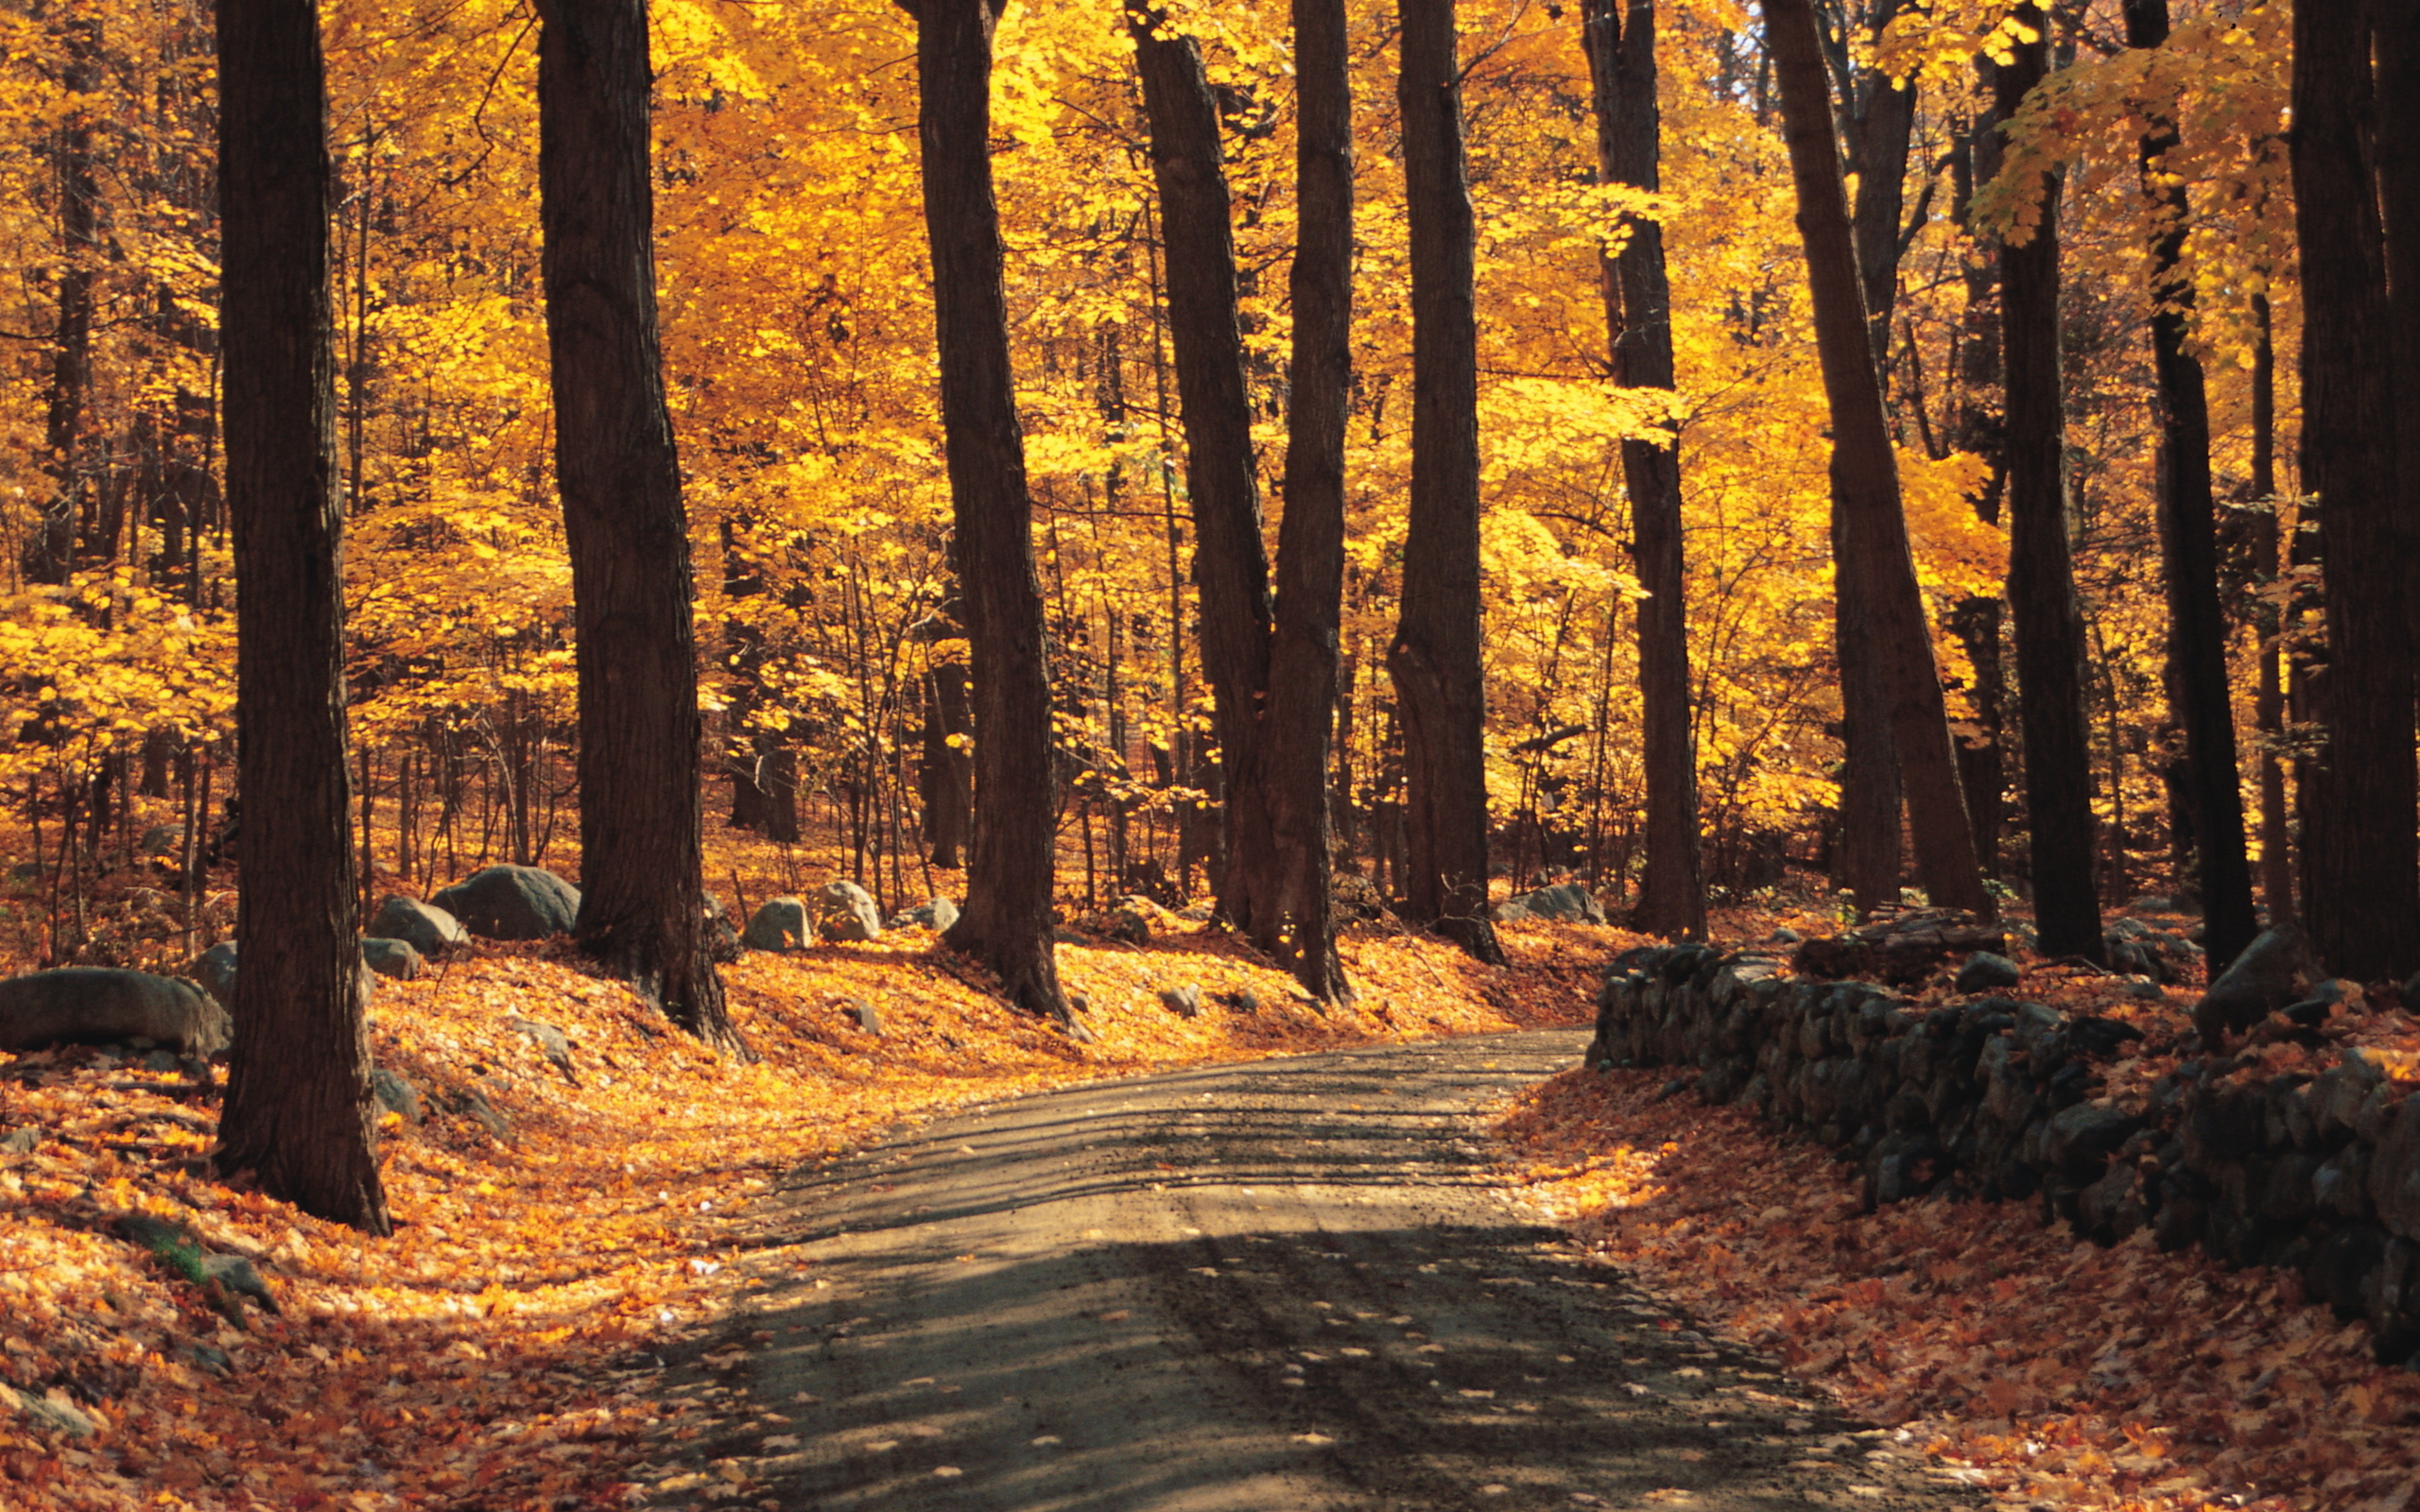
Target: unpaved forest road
[(1255, 1288)]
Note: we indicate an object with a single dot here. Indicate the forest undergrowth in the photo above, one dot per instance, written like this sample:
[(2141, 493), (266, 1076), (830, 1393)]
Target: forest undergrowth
[(554, 1214), (2052, 1371)]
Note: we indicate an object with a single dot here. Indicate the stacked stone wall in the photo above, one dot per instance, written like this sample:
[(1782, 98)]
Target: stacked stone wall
[(2000, 1099)]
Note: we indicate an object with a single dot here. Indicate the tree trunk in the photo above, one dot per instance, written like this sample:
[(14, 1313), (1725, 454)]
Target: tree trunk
[(642, 910), (2276, 850), (2041, 575), (1882, 118), (1878, 572), (298, 1110), (1005, 922), (2396, 47), (1638, 319), (1977, 621), (947, 771), (49, 552), (2360, 865), (1436, 658), (1230, 565), (1303, 657), (2190, 555)]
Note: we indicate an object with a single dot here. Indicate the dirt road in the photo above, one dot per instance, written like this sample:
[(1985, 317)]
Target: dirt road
[(1258, 1288)]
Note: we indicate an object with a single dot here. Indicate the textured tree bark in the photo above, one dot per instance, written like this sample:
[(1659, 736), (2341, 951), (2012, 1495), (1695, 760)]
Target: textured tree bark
[(1982, 763), (1230, 565), (642, 889), (948, 775), (2396, 45), (2041, 575), (1005, 922), (2188, 519), (1877, 573), (1303, 655), (2360, 862), (1620, 37), (1881, 120), (49, 551), (1435, 658), (298, 1111)]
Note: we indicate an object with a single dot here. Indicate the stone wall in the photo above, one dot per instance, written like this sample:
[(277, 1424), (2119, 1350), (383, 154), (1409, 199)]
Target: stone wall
[(1999, 1099)]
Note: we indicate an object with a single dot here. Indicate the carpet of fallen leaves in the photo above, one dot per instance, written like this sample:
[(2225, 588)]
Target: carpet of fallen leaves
[(470, 1360), (2052, 1371)]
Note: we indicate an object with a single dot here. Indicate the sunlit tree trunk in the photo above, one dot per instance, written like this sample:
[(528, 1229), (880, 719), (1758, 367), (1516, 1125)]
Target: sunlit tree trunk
[(1982, 762), (1619, 37), (2360, 884), (49, 552), (1877, 573), (1435, 658), (1303, 660), (2191, 555), (1005, 922), (2041, 574), (296, 1117), (1230, 565), (642, 889)]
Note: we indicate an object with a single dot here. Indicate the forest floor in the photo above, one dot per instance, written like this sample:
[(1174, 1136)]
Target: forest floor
[(561, 1229)]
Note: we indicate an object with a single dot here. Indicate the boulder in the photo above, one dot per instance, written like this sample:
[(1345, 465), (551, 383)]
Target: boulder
[(1985, 972), (1131, 921), (2262, 980), (778, 924), (2079, 1139), (869, 1017), (164, 842), (51, 1414), (425, 927), (1566, 902), (2395, 1170), (1902, 949), (512, 902), (551, 1042), (395, 1095), (936, 914), (845, 911), (1513, 911), (1185, 1001), (390, 958), (90, 1004)]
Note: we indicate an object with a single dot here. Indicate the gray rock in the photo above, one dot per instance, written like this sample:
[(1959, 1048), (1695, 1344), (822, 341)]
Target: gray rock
[(214, 969), (845, 911), (52, 1414), (1566, 902), (93, 1004), (238, 1275), (474, 1104), (1513, 911), (390, 958), (396, 1094), (1185, 1001), (164, 842), (2080, 1139), (1786, 936), (2260, 981), (551, 1042), (778, 924), (512, 902), (1985, 971), (869, 1018), (2395, 1170), (2341, 1186), (936, 914), (21, 1142), (2338, 1092), (425, 927), (1131, 921)]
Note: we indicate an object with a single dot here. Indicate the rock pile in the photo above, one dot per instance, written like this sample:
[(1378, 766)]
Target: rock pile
[(2005, 1099)]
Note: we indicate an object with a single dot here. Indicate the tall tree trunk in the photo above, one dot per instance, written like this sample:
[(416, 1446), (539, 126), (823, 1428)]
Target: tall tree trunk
[(642, 909), (49, 552), (2360, 862), (1982, 762), (1881, 119), (1435, 658), (2041, 575), (1230, 565), (947, 773), (2269, 707), (1007, 921), (2189, 532), (2396, 47), (1303, 655), (298, 1110), (1877, 568), (1619, 37)]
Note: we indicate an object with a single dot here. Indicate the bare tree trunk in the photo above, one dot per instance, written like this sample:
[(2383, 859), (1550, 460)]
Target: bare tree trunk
[(49, 552), (1619, 37), (1302, 658), (1007, 921), (1982, 763), (1878, 569), (1436, 656), (2189, 537), (2360, 865), (1230, 567), (298, 1109), (2040, 575), (642, 910)]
